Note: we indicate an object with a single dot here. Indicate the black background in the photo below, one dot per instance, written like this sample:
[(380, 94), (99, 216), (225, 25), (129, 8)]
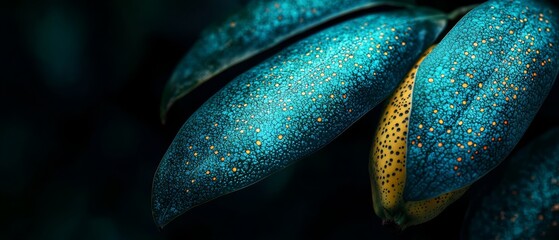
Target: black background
[(80, 136)]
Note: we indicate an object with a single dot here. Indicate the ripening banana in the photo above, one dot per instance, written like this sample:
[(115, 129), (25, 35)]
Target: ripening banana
[(463, 108), (388, 162)]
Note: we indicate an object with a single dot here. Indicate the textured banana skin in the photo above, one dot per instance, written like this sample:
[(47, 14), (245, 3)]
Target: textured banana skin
[(388, 163), (477, 92), (289, 106)]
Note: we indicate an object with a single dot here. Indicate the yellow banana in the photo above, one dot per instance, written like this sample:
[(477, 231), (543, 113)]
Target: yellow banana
[(387, 163)]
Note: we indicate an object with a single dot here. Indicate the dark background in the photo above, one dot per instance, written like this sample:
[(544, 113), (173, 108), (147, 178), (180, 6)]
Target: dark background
[(80, 136)]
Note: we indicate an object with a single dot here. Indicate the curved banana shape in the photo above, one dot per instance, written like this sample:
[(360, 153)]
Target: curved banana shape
[(261, 25), (289, 106), (476, 93), (464, 108), (525, 203), (387, 165)]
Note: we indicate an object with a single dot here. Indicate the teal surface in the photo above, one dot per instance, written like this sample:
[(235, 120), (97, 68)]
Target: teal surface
[(525, 204), (477, 92), (261, 25), (289, 106)]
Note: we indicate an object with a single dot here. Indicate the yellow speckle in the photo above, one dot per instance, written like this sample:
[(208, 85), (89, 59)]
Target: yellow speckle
[(208, 172), (481, 129), (420, 125), (469, 130), (247, 151), (258, 142), (212, 147), (419, 145), (258, 130), (480, 85), (431, 129), (441, 121), (319, 119), (280, 137), (234, 169), (440, 144), (460, 123), (195, 154), (459, 159), (435, 111), (470, 143), (464, 85), (430, 80)]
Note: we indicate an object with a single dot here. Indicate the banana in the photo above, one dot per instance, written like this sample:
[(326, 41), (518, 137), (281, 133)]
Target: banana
[(387, 163)]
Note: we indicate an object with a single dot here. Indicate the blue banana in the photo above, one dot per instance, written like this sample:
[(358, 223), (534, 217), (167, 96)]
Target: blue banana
[(261, 25), (525, 203), (463, 108), (289, 106), (476, 93)]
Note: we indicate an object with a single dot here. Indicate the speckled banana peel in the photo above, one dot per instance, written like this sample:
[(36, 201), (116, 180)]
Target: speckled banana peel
[(387, 163)]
